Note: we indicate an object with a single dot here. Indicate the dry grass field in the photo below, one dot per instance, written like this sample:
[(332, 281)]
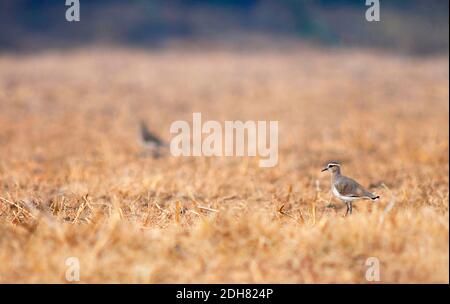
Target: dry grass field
[(74, 181)]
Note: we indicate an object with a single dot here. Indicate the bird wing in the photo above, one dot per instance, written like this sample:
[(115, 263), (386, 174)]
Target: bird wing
[(149, 137), (349, 187)]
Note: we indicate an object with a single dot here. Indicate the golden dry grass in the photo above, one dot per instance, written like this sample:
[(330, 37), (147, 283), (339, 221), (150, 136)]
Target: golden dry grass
[(73, 181)]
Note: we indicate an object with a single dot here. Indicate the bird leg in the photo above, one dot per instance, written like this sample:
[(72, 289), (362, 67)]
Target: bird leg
[(156, 153), (349, 208)]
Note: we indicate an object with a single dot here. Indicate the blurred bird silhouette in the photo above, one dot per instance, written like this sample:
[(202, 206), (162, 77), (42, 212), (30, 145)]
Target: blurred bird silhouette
[(151, 142)]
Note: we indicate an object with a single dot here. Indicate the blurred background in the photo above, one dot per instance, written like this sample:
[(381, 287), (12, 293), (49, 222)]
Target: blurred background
[(76, 181), (413, 27)]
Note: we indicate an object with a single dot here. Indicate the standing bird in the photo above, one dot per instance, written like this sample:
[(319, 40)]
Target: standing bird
[(150, 140), (345, 188)]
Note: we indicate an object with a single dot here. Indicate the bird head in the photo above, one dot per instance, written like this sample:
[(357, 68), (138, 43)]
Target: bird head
[(332, 166)]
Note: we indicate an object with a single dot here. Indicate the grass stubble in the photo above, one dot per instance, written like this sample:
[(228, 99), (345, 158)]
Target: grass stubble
[(73, 182)]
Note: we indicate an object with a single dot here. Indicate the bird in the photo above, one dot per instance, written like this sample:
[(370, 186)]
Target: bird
[(345, 188), (150, 140)]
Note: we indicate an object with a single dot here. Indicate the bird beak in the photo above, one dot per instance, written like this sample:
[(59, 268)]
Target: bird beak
[(324, 169)]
